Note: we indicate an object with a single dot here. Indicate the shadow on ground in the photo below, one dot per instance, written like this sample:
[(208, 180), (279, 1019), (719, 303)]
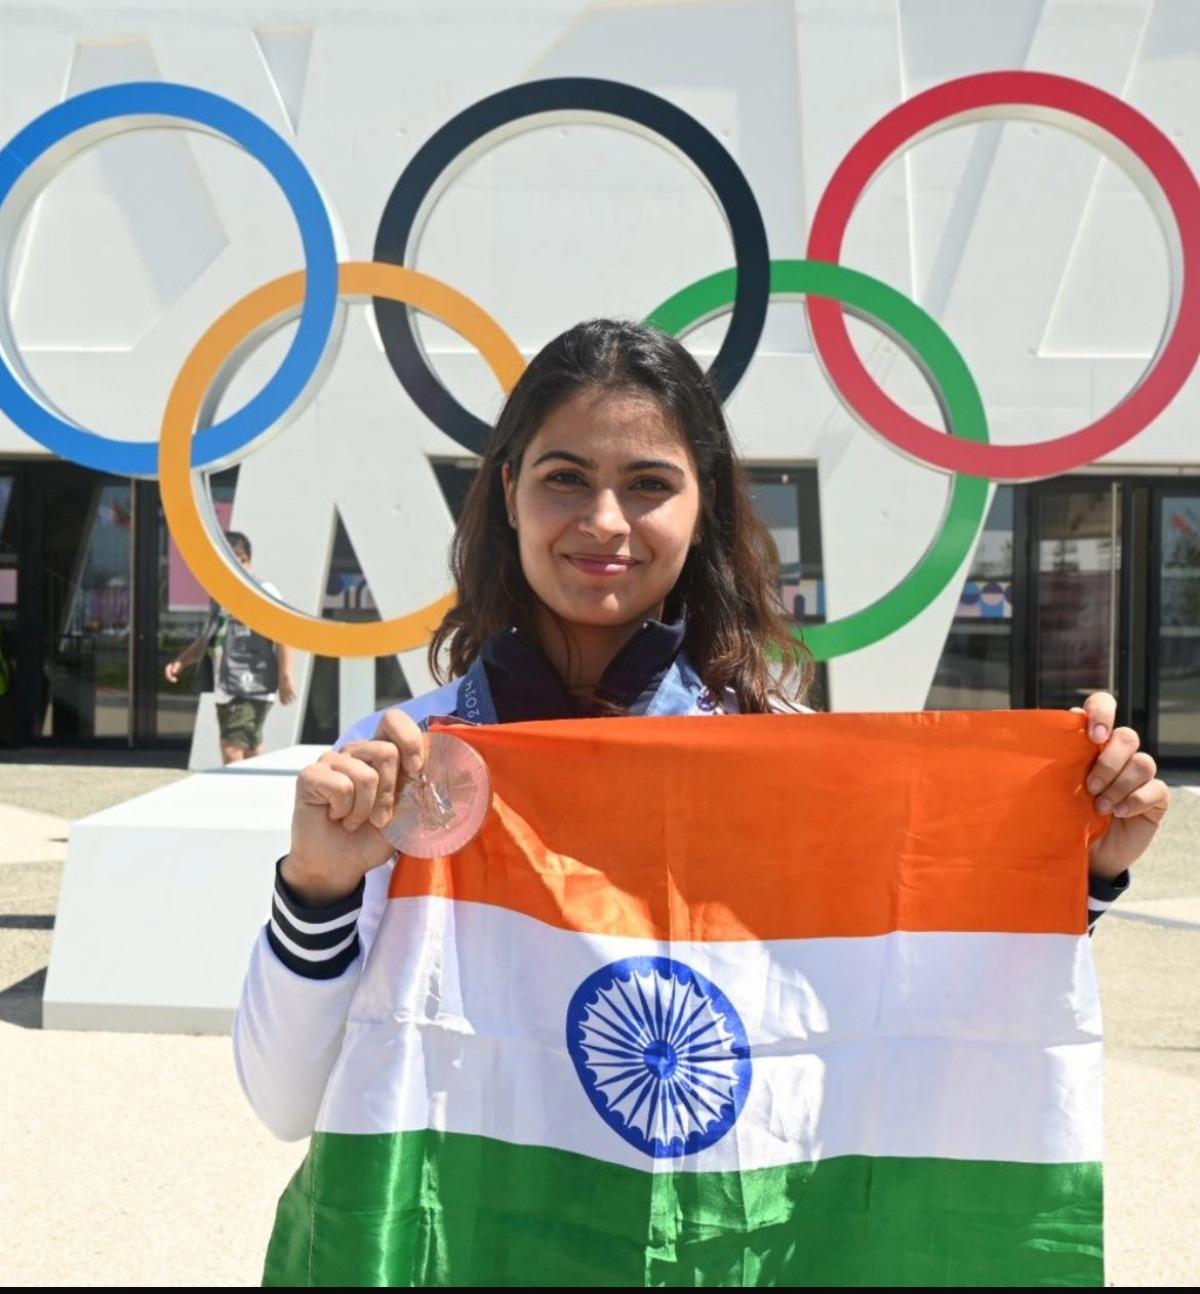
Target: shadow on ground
[(21, 1003), (93, 757), (20, 921)]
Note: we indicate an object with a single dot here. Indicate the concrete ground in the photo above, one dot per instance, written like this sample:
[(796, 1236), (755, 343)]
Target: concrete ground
[(131, 1159)]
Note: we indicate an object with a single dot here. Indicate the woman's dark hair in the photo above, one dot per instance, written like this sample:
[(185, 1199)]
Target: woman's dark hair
[(737, 634)]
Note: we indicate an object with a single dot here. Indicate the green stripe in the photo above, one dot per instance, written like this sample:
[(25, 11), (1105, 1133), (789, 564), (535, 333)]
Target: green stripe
[(427, 1208)]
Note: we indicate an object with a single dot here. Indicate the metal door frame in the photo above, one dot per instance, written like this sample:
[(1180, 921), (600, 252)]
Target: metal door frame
[(1136, 660), (34, 479), (1026, 606), (1159, 488)]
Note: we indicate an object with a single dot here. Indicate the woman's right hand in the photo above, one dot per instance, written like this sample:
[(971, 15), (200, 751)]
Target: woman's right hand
[(172, 671), (341, 801)]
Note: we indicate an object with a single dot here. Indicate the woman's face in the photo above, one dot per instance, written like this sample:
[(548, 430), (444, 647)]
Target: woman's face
[(606, 506)]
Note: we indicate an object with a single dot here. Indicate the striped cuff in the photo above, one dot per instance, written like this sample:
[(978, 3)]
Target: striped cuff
[(318, 943), (1103, 894)]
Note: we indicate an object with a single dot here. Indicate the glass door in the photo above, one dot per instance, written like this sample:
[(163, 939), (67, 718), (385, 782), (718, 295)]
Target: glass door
[(976, 668), (175, 615), (86, 553), (787, 501), (1175, 632), (1076, 538), (9, 585)]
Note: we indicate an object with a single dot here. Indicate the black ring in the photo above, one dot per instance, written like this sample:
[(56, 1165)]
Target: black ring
[(569, 94)]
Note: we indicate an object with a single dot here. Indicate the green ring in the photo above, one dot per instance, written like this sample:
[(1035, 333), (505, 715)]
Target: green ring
[(939, 359)]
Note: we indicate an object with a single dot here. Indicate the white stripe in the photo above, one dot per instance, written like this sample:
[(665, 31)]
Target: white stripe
[(314, 927), (966, 1046), (311, 954), (1100, 905)]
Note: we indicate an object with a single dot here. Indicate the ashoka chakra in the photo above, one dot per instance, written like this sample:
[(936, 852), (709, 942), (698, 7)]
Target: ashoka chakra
[(661, 1053)]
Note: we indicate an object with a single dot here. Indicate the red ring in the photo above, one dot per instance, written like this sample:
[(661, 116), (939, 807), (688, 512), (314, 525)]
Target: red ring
[(897, 130)]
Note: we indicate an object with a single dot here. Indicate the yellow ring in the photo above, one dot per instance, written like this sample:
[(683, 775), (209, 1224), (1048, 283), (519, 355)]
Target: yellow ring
[(220, 579)]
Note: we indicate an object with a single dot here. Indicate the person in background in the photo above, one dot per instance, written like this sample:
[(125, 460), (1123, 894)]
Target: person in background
[(250, 672)]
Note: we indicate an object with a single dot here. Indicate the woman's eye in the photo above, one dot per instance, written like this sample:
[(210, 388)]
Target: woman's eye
[(565, 478), (652, 484)]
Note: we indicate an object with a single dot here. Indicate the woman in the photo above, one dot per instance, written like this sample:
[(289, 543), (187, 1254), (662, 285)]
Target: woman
[(608, 562)]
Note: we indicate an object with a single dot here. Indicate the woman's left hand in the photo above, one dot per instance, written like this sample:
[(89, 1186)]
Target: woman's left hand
[(1124, 783)]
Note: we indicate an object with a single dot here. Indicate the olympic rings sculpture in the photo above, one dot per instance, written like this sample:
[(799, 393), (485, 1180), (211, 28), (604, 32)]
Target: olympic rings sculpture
[(189, 444)]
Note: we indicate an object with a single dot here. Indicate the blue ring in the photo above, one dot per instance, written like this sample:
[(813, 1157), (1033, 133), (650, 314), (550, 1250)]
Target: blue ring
[(164, 99)]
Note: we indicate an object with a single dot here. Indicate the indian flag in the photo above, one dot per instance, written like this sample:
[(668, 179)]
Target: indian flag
[(752, 1000)]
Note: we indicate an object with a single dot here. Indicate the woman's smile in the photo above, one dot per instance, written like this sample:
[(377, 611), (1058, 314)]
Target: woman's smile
[(603, 565)]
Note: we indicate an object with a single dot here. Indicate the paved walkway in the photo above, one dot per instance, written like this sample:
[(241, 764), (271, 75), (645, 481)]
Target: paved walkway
[(131, 1159), (27, 836)]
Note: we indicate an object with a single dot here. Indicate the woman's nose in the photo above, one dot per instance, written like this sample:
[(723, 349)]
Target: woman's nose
[(605, 517)]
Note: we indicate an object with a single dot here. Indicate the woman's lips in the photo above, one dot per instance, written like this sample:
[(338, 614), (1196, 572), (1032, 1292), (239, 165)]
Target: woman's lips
[(601, 564)]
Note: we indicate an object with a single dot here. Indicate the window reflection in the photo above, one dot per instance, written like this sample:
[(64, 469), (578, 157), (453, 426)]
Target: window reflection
[(183, 608), (1077, 578), (1179, 626), (87, 566), (975, 670), (788, 503), (8, 608)]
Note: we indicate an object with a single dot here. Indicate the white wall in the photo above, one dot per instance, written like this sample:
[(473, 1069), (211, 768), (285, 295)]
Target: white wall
[(1043, 263)]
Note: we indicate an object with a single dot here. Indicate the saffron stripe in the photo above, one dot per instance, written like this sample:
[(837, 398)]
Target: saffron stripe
[(827, 825)]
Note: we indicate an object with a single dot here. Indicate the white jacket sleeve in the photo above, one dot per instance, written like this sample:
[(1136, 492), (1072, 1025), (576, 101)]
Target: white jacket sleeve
[(303, 973)]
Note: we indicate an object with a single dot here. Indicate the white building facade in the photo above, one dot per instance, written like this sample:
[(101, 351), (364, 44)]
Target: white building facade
[(1034, 246)]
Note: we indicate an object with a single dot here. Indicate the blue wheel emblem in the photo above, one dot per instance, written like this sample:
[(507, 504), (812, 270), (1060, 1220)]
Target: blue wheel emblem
[(661, 1054)]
